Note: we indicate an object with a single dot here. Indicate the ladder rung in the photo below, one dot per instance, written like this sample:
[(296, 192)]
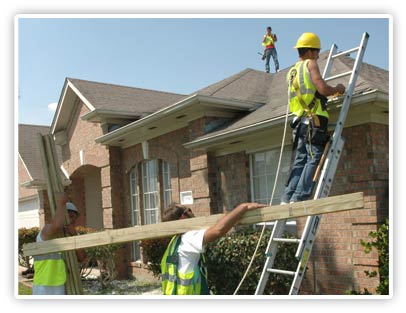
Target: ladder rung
[(345, 52), (292, 240), (283, 272), (338, 76)]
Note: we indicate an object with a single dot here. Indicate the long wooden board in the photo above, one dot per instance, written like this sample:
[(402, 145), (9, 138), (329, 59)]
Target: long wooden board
[(277, 212)]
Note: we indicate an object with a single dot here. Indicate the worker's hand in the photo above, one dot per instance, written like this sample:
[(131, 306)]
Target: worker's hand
[(61, 199), (251, 206), (70, 230), (340, 89)]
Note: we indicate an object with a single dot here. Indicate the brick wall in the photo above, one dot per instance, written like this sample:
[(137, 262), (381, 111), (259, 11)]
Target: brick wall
[(338, 255), (234, 180)]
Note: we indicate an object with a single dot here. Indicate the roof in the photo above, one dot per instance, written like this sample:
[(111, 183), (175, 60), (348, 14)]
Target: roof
[(111, 97), (273, 88), (247, 85), (28, 148)]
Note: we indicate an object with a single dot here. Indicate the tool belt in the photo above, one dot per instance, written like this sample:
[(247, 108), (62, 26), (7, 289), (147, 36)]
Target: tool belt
[(318, 135)]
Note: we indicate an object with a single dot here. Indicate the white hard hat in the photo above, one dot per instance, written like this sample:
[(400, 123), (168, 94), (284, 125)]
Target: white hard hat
[(71, 207)]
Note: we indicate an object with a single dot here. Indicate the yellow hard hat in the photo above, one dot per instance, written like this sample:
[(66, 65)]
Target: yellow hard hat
[(308, 40)]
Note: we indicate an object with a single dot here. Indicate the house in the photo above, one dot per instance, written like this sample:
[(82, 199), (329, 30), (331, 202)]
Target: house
[(129, 152), (30, 175)]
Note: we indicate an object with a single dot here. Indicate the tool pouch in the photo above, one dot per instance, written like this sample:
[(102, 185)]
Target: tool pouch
[(317, 136)]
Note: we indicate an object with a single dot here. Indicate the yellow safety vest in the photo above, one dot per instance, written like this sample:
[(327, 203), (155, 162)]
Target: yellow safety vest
[(302, 92), (176, 283), (49, 270), (268, 41)]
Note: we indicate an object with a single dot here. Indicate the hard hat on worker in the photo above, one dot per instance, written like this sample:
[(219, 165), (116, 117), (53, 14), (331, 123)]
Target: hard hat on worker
[(308, 40), (71, 207)]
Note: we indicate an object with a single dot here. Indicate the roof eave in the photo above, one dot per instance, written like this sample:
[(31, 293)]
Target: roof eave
[(201, 143), (176, 108)]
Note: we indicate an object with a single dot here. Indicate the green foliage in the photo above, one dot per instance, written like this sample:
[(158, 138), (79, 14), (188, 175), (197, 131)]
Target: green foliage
[(229, 257), (25, 235), (380, 242), (154, 250), (227, 260), (103, 257)]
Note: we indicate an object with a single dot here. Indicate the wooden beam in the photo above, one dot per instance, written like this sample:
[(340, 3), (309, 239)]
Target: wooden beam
[(305, 208)]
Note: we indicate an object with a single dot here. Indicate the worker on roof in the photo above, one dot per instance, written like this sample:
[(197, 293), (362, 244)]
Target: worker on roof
[(50, 271), (182, 266), (307, 102), (269, 43)]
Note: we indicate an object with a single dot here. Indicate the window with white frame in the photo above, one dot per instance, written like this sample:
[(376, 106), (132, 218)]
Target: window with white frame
[(150, 191), (263, 168), (166, 181), (135, 209)]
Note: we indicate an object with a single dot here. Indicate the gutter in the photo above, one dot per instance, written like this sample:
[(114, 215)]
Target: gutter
[(362, 98), (218, 102)]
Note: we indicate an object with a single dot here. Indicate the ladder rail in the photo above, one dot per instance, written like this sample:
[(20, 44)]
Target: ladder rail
[(307, 239), (329, 170)]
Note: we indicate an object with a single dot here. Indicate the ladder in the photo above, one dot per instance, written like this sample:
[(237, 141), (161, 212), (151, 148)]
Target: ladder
[(332, 156)]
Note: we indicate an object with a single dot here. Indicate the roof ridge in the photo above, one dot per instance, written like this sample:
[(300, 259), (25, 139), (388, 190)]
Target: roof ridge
[(123, 86)]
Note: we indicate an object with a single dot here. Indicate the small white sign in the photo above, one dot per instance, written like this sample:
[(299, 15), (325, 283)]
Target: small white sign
[(186, 197)]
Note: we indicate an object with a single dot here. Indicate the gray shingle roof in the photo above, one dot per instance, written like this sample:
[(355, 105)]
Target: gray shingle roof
[(271, 89), (28, 148), (121, 98)]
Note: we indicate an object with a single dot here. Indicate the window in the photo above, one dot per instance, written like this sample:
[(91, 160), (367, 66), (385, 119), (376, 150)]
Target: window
[(150, 191), (263, 166), (135, 209), (166, 182)]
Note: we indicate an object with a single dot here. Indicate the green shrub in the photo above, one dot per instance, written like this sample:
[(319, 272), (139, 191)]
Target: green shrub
[(229, 257), (227, 260), (103, 257), (25, 235), (154, 250)]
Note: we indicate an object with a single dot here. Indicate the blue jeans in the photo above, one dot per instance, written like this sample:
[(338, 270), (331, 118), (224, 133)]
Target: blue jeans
[(268, 53), (300, 184)]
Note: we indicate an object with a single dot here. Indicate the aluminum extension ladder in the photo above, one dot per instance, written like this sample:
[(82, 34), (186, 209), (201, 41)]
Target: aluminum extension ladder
[(324, 185)]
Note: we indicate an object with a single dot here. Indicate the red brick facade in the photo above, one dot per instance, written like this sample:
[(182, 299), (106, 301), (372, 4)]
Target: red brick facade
[(219, 183)]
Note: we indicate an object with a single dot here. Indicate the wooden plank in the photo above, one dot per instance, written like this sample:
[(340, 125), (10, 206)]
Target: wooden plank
[(305, 208)]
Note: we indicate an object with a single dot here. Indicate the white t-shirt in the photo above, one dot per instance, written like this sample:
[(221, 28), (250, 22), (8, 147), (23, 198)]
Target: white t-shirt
[(189, 250)]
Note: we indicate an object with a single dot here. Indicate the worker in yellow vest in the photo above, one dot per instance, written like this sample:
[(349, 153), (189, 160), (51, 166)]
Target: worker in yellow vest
[(269, 43), (307, 102), (182, 266), (50, 271)]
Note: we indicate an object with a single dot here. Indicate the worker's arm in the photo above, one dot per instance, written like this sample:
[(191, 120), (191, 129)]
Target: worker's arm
[(53, 229), (228, 221), (322, 87)]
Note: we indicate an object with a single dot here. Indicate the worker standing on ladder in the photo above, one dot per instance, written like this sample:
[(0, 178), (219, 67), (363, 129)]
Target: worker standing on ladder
[(307, 102), (269, 43)]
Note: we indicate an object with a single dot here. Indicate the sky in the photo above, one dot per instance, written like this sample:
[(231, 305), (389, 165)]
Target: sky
[(173, 53)]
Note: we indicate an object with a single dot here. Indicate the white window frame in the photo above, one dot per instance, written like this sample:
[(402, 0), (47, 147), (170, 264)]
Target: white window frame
[(150, 192), (268, 174), (166, 182), (135, 209)]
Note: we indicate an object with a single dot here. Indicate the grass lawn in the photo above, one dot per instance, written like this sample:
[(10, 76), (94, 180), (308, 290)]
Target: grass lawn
[(24, 290)]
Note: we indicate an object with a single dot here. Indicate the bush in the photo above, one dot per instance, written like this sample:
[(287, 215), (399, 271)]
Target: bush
[(154, 250), (102, 256), (25, 235), (227, 260)]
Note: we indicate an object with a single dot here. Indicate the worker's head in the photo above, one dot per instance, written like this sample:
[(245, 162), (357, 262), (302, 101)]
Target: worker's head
[(73, 212), (175, 212), (269, 29), (308, 42)]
